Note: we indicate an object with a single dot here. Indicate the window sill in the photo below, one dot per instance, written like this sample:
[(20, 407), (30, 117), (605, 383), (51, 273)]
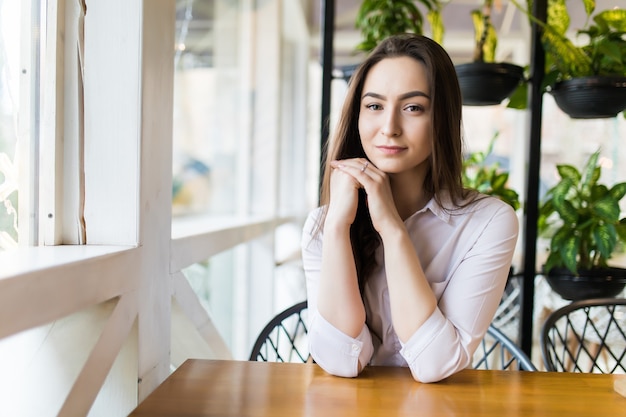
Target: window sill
[(30, 260), (198, 238)]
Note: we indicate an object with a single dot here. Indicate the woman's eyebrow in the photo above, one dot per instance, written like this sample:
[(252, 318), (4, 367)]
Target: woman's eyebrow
[(415, 93), (404, 96)]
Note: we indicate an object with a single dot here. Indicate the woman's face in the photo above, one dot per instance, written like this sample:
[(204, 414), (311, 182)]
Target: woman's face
[(394, 120)]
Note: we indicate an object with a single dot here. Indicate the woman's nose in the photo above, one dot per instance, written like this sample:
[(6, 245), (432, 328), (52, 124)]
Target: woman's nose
[(391, 127)]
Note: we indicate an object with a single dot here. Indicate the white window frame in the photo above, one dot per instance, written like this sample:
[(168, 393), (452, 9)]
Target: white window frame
[(125, 263)]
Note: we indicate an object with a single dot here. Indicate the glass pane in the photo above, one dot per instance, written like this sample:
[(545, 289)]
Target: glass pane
[(9, 104), (208, 123), (213, 284)]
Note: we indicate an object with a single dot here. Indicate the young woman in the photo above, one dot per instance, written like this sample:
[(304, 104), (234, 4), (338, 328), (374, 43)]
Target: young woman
[(404, 266)]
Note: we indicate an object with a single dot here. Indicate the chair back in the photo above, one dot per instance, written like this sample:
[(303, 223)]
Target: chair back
[(283, 339), (586, 336), (497, 351)]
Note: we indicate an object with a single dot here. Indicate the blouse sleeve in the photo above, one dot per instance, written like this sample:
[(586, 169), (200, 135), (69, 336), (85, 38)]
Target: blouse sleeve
[(446, 342), (333, 350)]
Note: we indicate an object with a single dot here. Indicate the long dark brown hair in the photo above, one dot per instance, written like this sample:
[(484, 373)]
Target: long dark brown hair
[(446, 158)]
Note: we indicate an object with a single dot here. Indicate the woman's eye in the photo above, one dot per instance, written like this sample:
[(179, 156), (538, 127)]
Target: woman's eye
[(413, 108), (373, 106)]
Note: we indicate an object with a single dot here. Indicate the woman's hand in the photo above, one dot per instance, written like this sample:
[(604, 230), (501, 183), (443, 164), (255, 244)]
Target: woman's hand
[(362, 174), (344, 196)]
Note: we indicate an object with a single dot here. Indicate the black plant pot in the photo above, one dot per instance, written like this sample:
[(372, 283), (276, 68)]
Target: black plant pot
[(488, 83), (595, 283), (591, 97)]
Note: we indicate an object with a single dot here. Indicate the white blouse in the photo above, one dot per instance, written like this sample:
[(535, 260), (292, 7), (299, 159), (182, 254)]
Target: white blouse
[(465, 254)]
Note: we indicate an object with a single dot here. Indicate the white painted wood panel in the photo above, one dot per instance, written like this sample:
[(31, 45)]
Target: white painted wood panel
[(154, 211), (92, 376), (113, 122), (40, 296)]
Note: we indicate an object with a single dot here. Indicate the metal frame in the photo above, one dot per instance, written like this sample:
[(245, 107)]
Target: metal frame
[(278, 342), (574, 338), (502, 354)]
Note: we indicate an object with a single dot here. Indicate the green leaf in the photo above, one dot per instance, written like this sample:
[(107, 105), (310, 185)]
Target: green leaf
[(553, 261), (436, 24), (568, 250), (558, 16), (379, 19), (615, 18), (569, 172), (566, 57), (605, 238), (567, 211), (606, 209), (618, 191), (620, 229), (519, 98), (561, 190), (499, 180), (592, 171), (511, 197), (590, 6), (598, 191), (546, 208)]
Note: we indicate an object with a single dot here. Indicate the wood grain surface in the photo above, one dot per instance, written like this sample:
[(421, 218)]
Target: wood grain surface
[(237, 388)]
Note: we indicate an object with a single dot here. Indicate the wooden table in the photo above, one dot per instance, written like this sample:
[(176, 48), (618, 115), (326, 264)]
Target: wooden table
[(237, 388)]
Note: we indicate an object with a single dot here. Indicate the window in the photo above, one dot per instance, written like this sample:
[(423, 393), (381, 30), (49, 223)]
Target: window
[(211, 94), (240, 137), (18, 125)]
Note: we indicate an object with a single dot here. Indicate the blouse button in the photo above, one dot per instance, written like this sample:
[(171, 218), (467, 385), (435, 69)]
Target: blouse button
[(355, 348)]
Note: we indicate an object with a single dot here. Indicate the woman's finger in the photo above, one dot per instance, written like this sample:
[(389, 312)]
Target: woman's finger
[(354, 167)]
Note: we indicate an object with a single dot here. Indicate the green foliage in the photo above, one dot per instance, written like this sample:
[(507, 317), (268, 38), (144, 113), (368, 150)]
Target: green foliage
[(603, 53), (379, 19), (485, 36), (488, 179), (582, 217)]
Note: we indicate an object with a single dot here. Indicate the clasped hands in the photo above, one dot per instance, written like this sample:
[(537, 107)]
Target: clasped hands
[(350, 175)]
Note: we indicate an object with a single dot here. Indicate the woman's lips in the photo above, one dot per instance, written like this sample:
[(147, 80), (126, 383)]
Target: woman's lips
[(390, 150)]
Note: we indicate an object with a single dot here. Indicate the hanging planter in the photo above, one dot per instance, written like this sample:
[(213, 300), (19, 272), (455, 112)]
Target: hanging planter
[(586, 79), (488, 83), (594, 283), (483, 81), (591, 97)]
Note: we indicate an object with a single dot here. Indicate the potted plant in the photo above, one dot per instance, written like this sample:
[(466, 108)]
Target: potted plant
[(582, 219), (586, 80), (488, 178), (379, 19), (483, 81)]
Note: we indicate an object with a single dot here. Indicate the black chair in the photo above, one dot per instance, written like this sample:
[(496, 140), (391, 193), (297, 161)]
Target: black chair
[(586, 336), (497, 351), (283, 339)]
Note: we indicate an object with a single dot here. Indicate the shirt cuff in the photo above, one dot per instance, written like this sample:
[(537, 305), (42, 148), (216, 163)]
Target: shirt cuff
[(334, 351), (426, 364), (423, 336)]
